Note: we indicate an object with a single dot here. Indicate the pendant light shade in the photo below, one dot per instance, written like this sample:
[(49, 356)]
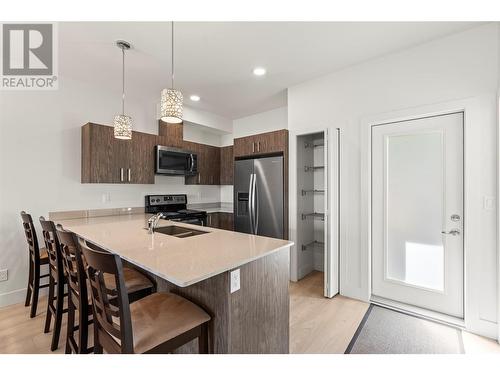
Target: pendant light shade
[(171, 101), (171, 106), (122, 124)]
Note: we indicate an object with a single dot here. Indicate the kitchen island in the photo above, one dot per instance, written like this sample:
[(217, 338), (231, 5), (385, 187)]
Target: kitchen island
[(251, 319)]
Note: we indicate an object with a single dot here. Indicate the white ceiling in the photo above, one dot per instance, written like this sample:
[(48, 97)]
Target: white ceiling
[(215, 59)]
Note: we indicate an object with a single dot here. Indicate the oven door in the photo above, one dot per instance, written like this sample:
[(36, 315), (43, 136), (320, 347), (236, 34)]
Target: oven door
[(173, 161)]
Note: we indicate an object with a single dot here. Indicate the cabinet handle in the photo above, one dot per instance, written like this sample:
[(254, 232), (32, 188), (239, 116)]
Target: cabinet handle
[(121, 174), (253, 146), (199, 177), (258, 146), (129, 175)]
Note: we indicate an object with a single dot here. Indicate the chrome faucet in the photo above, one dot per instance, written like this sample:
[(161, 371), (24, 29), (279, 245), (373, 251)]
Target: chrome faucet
[(153, 222)]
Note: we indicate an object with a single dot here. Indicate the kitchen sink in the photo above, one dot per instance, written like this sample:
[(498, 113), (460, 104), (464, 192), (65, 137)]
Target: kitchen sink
[(179, 232)]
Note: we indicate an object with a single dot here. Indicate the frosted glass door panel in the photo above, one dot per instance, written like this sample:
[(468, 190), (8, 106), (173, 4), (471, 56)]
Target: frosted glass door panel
[(414, 199)]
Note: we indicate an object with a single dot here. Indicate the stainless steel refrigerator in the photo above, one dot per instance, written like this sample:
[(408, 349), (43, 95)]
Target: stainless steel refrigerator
[(259, 196)]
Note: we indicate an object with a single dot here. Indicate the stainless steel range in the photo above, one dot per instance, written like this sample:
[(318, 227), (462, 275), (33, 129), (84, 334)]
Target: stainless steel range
[(174, 207)]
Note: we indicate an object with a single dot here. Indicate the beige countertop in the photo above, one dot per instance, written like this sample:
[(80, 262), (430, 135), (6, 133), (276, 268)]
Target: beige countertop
[(182, 261)]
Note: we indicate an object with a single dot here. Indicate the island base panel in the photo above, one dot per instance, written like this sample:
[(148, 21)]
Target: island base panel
[(254, 319)]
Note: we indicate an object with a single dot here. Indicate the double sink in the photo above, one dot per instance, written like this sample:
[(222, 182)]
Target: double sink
[(179, 232)]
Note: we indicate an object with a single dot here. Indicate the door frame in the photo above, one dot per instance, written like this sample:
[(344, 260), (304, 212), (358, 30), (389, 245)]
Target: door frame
[(332, 137), (471, 107), (402, 128)]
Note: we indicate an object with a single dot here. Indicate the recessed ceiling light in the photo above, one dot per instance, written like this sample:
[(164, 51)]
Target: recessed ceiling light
[(194, 98), (259, 71)]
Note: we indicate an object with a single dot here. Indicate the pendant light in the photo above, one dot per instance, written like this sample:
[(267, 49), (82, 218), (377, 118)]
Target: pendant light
[(171, 99), (122, 123)]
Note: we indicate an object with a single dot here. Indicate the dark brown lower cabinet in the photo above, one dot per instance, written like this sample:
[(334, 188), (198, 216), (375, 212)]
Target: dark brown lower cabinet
[(220, 220), (226, 221), (213, 220)]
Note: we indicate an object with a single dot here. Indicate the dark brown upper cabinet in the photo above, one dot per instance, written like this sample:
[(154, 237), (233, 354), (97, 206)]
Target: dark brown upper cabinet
[(261, 144), (208, 164), (171, 134), (109, 160), (142, 159), (226, 165)]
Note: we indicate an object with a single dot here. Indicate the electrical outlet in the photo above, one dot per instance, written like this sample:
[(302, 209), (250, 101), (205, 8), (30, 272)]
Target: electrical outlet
[(235, 280), (4, 275)]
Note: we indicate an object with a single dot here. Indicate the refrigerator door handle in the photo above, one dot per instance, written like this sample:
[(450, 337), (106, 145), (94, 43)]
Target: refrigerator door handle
[(250, 204), (255, 205)]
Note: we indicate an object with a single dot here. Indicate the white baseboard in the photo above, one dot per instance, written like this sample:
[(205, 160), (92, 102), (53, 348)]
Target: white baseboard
[(17, 296), (13, 297)]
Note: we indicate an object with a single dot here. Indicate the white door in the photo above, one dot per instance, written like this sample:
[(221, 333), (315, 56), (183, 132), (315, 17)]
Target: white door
[(417, 213), (332, 208)]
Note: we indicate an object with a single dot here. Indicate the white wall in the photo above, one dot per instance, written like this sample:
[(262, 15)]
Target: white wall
[(208, 119), (40, 161), (203, 134), (459, 66), (275, 119)]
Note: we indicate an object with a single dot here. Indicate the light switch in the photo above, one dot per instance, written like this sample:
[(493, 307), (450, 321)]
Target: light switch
[(489, 203), (235, 280)]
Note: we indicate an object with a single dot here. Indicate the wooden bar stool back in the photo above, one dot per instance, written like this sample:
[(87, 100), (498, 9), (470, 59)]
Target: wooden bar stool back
[(37, 258), (78, 298), (57, 280), (158, 323)]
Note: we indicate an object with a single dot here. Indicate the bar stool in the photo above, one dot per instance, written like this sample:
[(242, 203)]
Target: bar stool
[(37, 257), (158, 323), (136, 284), (78, 299), (57, 281)]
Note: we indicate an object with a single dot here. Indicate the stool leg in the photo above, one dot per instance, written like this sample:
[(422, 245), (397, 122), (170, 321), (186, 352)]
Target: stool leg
[(59, 314), (36, 289), (83, 327), (70, 330), (50, 303), (97, 346), (203, 339), (30, 284)]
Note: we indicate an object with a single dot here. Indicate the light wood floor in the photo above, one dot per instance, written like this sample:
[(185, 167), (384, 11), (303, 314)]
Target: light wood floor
[(323, 325), (20, 334), (317, 324)]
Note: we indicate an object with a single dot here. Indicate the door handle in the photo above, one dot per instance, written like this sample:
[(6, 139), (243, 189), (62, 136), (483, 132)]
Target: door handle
[(121, 174), (253, 147), (191, 163), (129, 174), (255, 204), (453, 232), (258, 146), (250, 204)]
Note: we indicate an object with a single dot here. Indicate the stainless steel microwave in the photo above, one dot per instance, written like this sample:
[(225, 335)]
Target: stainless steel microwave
[(175, 162)]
